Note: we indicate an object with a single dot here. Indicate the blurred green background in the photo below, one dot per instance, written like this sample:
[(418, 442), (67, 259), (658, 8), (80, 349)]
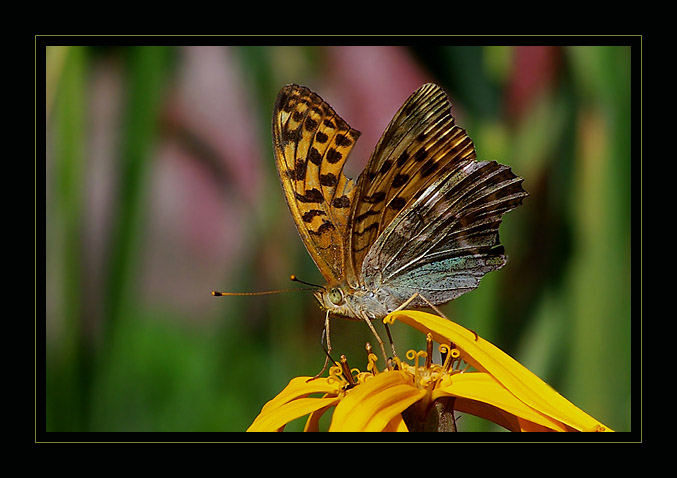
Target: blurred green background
[(161, 187)]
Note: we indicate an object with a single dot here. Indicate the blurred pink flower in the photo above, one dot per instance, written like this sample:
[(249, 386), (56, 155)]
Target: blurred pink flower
[(366, 85), (535, 69), (205, 179)]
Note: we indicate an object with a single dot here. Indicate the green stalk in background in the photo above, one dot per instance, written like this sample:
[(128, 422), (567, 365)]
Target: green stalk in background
[(69, 369), (600, 279), (147, 71)]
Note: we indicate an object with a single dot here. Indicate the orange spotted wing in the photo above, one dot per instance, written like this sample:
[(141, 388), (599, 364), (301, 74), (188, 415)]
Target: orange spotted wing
[(311, 144)]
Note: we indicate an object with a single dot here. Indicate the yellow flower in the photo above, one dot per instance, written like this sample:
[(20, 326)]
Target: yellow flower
[(475, 377)]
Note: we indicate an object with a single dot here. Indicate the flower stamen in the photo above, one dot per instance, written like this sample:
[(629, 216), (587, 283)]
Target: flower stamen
[(346, 372), (446, 356), (371, 360), (429, 350)]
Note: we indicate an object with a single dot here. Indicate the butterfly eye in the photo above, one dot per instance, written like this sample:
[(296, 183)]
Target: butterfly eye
[(335, 296)]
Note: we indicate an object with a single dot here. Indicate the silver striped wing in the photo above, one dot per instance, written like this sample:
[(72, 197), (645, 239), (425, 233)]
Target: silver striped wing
[(428, 215), (446, 240)]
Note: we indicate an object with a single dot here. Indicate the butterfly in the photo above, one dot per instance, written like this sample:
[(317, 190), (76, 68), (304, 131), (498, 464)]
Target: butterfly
[(419, 226)]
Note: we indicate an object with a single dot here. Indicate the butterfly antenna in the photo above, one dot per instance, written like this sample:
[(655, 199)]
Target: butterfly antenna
[(296, 279), (216, 293)]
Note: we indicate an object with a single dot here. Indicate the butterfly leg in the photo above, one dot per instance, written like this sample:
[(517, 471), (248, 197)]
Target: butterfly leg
[(390, 339), (439, 312), (415, 296), (327, 350), (378, 339)]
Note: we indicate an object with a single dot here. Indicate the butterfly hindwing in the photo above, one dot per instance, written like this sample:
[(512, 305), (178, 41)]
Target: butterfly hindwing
[(311, 144), (443, 236), (447, 239)]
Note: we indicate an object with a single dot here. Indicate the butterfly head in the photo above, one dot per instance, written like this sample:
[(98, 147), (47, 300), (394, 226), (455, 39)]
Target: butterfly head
[(337, 301), (332, 299), (351, 303)]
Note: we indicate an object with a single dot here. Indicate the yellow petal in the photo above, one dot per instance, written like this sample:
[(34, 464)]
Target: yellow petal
[(483, 388), (485, 356), (302, 387), (490, 413), (372, 405), (396, 425), (313, 422), (292, 402), (275, 420)]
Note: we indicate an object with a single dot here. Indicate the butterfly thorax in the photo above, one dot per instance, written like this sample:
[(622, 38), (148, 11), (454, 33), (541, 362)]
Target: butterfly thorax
[(353, 303)]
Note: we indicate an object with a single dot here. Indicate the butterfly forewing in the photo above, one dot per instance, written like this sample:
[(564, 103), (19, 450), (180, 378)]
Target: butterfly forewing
[(311, 144)]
